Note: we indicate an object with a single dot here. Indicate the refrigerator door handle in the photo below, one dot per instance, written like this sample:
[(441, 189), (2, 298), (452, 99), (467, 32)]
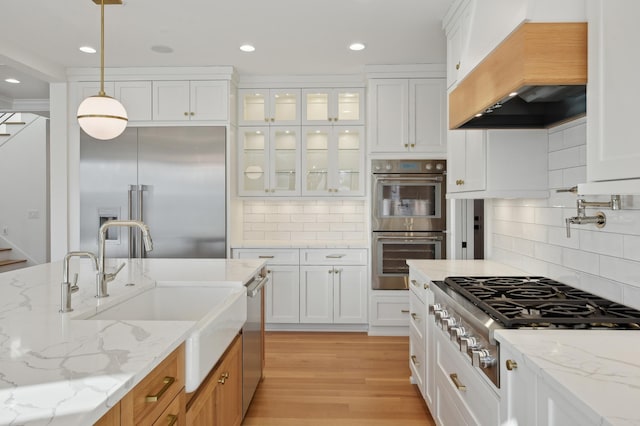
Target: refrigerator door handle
[(141, 190), (132, 189)]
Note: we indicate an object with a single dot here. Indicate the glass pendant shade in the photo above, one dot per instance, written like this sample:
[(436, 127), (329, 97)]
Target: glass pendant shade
[(102, 117)]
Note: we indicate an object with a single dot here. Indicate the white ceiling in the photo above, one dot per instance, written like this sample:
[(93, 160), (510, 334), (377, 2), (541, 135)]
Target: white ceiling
[(39, 39)]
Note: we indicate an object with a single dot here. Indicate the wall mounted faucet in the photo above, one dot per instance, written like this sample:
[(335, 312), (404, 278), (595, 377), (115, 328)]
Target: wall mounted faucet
[(599, 219)]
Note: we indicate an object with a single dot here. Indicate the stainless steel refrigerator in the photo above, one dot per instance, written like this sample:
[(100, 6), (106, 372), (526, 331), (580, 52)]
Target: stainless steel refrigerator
[(172, 178)]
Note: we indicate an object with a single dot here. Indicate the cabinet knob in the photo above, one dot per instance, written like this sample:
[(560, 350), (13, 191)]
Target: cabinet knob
[(406, 145), (186, 114), (458, 66), (273, 119), (413, 145), (266, 120), (511, 365), (266, 190), (192, 113), (335, 118)]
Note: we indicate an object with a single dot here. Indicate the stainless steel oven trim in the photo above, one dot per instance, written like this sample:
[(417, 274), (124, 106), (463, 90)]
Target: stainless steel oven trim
[(382, 282), (409, 223)]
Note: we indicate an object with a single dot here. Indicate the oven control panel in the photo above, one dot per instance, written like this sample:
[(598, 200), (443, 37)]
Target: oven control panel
[(409, 166)]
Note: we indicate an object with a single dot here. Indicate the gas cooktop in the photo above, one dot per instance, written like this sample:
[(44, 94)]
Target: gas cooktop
[(542, 302)]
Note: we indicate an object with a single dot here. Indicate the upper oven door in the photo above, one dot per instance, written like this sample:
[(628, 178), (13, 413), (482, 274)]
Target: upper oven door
[(409, 202)]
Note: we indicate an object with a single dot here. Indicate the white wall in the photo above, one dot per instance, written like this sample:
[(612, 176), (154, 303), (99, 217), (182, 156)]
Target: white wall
[(531, 234), (302, 220), (23, 192)]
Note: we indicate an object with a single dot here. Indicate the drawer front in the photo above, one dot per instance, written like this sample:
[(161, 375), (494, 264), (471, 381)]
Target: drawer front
[(478, 396), (333, 257), (174, 414), (390, 311), (270, 256), (418, 283), (417, 360), (417, 316), (149, 399)]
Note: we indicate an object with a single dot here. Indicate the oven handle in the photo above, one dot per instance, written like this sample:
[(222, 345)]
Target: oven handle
[(412, 238), (387, 179)]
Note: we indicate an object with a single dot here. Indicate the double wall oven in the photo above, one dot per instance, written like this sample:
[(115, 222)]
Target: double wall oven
[(408, 218)]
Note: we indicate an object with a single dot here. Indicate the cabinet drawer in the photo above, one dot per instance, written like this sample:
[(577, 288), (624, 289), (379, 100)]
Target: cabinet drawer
[(389, 311), (149, 399), (333, 257), (175, 413), (417, 359), (478, 397), (417, 316), (271, 256)]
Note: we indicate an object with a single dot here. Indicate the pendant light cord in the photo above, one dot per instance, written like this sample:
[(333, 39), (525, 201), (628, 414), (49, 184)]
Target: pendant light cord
[(101, 49)]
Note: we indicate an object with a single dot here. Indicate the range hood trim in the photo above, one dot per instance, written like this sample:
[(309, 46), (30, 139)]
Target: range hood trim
[(535, 54)]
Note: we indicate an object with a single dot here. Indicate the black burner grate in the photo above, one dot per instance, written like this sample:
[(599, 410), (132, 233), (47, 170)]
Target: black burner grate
[(542, 302)]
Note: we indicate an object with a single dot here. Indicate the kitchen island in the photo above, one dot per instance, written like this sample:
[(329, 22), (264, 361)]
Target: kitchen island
[(58, 369), (552, 375)]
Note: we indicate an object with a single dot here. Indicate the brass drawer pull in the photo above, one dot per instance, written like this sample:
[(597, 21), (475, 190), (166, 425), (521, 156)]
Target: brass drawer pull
[(415, 317), (172, 419), (457, 382), (414, 282), (168, 381), (265, 257), (414, 360), (223, 378), (404, 311)]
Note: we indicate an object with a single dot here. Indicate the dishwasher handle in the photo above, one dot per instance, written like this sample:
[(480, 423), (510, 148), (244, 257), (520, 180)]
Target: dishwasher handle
[(253, 287)]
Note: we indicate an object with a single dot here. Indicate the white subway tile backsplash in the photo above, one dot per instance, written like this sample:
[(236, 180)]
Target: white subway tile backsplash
[(342, 227), (601, 242), (316, 209), (253, 218), (604, 261), (279, 235), (333, 236), (290, 227), (305, 218), (317, 227), (277, 218)]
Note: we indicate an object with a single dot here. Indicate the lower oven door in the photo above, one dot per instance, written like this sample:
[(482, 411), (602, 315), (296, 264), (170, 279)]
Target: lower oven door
[(391, 251)]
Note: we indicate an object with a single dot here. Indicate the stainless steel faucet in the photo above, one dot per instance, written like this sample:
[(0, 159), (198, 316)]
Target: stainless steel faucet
[(103, 277), (599, 219), (66, 288)]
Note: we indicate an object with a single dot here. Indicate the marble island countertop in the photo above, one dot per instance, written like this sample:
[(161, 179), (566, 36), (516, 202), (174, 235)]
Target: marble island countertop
[(58, 370), (598, 371)]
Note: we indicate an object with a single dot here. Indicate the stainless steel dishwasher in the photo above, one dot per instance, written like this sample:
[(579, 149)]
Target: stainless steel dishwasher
[(252, 344)]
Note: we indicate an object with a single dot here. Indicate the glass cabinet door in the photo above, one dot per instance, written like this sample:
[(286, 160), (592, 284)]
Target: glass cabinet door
[(333, 106), (316, 160), (284, 107), (268, 106), (253, 161), (349, 178), (285, 161)]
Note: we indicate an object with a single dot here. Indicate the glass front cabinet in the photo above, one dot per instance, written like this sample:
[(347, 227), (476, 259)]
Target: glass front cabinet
[(343, 106), (260, 107), (333, 160), (269, 161)]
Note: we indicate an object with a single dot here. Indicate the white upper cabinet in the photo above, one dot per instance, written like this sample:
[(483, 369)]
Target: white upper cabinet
[(407, 115), (205, 100), (498, 164), (613, 151), (136, 99), (269, 161), (259, 107), (333, 160), (333, 106)]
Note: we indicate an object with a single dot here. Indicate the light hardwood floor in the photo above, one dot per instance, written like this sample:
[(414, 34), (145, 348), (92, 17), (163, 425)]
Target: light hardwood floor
[(336, 379)]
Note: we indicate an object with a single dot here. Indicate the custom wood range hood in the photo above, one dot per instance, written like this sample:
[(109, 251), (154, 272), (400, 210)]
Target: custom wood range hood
[(536, 78)]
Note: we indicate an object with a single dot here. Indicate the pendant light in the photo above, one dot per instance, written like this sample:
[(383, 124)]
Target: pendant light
[(101, 116)]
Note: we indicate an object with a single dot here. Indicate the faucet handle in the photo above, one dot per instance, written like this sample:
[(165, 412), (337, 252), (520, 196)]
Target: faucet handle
[(568, 222), (111, 276), (74, 286)]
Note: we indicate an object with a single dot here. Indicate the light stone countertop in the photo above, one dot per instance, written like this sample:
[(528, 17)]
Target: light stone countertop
[(597, 370), (57, 370)]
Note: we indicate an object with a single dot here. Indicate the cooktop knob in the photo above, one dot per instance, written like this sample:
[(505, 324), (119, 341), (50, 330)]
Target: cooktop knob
[(441, 314), (457, 332), (447, 323), (435, 307), (482, 358), (439, 166), (388, 166), (428, 166), (467, 343)]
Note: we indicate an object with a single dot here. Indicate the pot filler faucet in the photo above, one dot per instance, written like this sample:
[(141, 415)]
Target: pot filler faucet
[(599, 219), (102, 278)]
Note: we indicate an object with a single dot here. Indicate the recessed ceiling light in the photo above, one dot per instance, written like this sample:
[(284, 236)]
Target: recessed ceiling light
[(161, 49), (357, 46), (247, 48), (12, 80), (87, 49)]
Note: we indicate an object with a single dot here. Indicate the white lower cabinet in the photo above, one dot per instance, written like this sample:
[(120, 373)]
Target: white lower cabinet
[(331, 290), (389, 312), (313, 286), (517, 389)]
